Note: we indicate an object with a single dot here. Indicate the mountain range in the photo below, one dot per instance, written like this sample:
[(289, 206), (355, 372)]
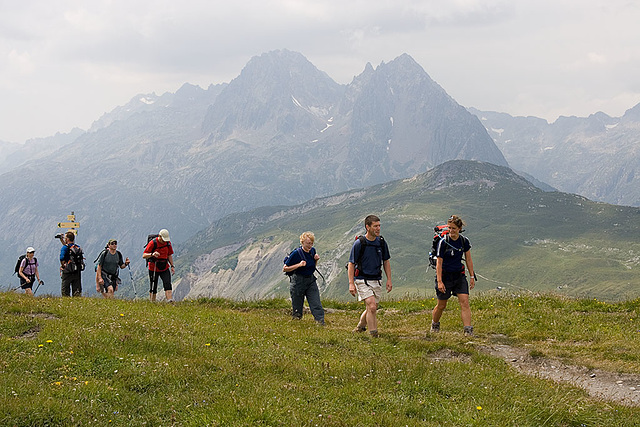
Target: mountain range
[(523, 239), (597, 156), (280, 133)]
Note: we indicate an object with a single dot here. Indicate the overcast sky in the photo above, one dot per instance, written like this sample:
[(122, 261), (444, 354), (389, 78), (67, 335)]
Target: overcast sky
[(63, 63)]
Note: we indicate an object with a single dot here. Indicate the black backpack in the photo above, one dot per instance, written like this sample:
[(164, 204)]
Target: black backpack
[(363, 243), (104, 251), (440, 232), (154, 237), (20, 258), (76, 257), (291, 273)]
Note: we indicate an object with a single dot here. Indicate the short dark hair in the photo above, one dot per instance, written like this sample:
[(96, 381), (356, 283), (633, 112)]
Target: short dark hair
[(370, 219), (71, 236)]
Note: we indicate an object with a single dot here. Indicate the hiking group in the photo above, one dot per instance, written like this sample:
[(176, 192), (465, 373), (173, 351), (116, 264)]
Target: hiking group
[(158, 253), (368, 258)]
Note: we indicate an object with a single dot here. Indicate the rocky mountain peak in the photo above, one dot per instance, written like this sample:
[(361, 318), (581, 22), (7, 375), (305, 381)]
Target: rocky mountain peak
[(272, 85), (632, 114)]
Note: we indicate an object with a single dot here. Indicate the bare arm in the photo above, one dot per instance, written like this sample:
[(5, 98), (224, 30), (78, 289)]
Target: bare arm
[(21, 273), (351, 271), (386, 265), (472, 272), (441, 287)]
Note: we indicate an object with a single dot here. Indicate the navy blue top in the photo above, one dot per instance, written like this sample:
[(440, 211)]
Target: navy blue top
[(451, 252), (295, 258), (373, 256)]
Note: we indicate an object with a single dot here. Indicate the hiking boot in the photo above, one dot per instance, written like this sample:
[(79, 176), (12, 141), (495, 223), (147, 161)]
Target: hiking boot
[(468, 331), (435, 327), (360, 329), (374, 334)]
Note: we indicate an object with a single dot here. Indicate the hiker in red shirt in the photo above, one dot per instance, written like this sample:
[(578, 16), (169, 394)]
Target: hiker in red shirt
[(159, 254)]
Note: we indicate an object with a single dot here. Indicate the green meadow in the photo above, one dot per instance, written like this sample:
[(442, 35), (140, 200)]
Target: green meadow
[(88, 361)]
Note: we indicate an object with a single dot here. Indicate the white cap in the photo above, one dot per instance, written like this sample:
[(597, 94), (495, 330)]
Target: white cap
[(164, 233), (30, 249)]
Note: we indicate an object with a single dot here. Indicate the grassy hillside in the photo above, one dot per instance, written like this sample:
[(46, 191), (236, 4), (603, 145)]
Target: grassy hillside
[(217, 362), (523, 239)]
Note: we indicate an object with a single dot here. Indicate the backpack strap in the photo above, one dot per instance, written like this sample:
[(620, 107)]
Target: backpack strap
[(155, 244), (99, 255), (461, 249), (363, 243)]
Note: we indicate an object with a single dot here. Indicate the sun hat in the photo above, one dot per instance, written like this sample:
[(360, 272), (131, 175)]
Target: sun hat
[(164, 233), (30, 249)]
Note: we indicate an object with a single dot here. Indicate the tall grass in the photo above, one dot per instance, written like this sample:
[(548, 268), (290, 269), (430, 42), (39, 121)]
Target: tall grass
[(218, 362)]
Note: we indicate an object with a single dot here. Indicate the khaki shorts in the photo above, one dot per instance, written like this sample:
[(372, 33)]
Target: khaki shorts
[(368, 288)]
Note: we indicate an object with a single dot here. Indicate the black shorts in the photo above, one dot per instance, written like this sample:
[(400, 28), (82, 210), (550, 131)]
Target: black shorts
[(166, 280), (454, 284), (24, 284)]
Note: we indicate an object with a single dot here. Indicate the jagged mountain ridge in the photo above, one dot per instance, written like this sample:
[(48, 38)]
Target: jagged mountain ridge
[(596, 156), (282, 132), (523, 238)]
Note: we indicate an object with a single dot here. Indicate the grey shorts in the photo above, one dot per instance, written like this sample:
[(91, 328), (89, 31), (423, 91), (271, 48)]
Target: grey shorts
[(110, 280), (367, 288)]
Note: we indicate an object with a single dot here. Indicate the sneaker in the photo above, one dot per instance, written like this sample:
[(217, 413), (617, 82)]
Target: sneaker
[(360, 329), (435, 327), (468, 331)]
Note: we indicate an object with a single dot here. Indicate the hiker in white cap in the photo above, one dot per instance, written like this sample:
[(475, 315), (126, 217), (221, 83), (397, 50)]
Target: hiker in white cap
[(29, 271), (159, 255)]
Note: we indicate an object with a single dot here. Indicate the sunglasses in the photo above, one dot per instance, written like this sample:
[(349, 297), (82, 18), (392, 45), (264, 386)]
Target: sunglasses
[(113, 243)]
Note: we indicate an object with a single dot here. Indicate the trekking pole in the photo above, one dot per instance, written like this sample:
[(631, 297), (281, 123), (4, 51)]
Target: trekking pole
[(135, 293), (324, 282), (41, 282)]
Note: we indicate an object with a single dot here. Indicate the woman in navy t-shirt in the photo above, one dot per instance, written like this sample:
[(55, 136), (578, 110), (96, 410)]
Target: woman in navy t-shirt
[(302, 263), (450, 277)]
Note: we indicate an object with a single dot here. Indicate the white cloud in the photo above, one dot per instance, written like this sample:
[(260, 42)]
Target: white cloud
[(529, 57)]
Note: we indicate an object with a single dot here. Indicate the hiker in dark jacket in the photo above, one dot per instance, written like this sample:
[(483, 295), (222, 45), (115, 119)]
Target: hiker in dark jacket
[(29, 271), (302, 263), (70, 271), (450, 278), (109, 263)]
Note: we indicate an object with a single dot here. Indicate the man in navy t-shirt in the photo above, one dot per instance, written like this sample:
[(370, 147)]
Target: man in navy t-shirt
[(369, 256)]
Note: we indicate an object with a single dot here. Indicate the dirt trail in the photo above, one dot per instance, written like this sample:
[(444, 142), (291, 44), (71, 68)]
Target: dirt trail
[(621, 388)]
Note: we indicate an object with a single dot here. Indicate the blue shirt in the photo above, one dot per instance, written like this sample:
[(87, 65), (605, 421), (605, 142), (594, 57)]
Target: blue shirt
[(64, 252), (309, 257), (372, 258), (451, 252)]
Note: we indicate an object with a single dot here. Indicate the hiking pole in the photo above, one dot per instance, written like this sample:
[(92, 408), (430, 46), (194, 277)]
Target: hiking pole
[(324, 282), (135, 293), (41, 282)]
